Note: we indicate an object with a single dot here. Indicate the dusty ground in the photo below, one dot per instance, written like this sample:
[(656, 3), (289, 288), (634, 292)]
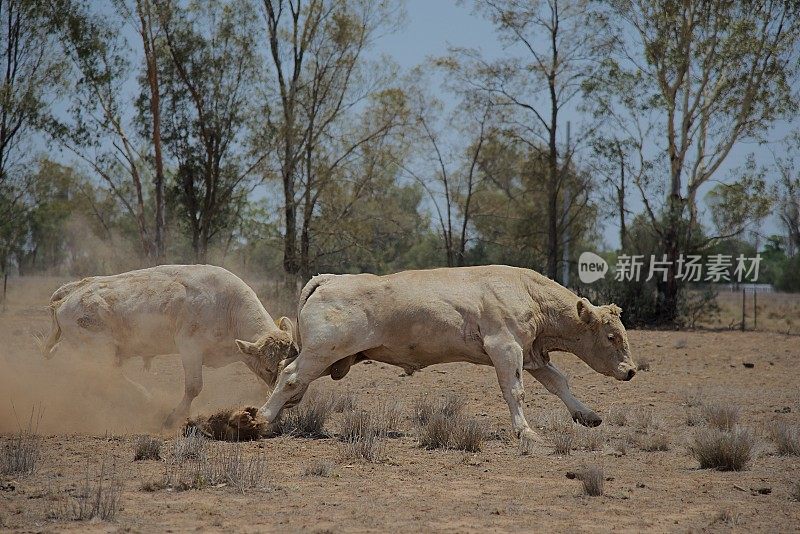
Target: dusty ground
[(89, 419)]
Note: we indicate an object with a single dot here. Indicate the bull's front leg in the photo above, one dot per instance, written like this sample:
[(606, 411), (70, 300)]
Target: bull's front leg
[(506, 356), (555, 381), (294, 381)]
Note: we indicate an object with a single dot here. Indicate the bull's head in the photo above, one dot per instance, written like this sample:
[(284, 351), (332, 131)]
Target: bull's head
[(269, 354), (603, 340)]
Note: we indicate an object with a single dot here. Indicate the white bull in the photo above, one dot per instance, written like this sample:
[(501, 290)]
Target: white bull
[(197, 311), (507, 317)]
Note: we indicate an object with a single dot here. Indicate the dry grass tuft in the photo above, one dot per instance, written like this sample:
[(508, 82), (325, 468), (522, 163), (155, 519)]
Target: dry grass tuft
[(190, 446), (642, 417), (692, 398), (655, 441), (618, 415), (216, 465), (468, 434), (364, 436), (147, 448), (592, 439), (794, 491), (721, 416), (95, 498), (425, 408), (307, 419), (563, 440), (593, 480), (320, 468), (727, 517), (344, 402), (726, 450), (441, 424), (786, 439), (643, 365), (20, 454)]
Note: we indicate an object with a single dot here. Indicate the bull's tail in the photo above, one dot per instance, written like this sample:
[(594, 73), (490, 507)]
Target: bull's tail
[(55, 333)]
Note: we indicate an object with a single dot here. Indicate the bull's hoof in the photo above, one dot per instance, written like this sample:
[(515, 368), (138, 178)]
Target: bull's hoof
[(589, 419), (528, 441)]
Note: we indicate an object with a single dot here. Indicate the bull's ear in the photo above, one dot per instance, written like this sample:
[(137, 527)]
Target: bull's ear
[(246, 347), (287, 325), (586, 311)]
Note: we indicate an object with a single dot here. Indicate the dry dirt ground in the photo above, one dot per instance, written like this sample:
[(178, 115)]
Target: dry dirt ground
[(89, 420)]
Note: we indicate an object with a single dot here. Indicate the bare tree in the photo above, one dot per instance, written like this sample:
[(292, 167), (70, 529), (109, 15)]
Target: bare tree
[(559, 49), (316, 53), (148, 33)]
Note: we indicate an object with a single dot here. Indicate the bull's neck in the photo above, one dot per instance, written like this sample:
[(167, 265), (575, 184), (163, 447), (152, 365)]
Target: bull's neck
[(563, 331)]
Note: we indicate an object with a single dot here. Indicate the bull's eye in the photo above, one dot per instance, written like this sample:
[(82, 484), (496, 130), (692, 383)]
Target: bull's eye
[(611, 337)]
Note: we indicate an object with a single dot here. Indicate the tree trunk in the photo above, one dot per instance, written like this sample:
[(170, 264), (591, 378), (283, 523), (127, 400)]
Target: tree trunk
[(148, 43)]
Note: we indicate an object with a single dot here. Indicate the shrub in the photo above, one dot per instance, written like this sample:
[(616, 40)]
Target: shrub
[(320, 468), (468, 434), (656, 441), (147, 448), (721, 416), (363, 435), (786, 439), (218, 464), (618, 415), (441, 424), (592, 439), (642, 417), (726, 450), (449, 406), (189, 446), (98, 498), (344, 402), (592, 479), (643, 365), (794, 491), (21, 453), (563, 440), (307, 419)]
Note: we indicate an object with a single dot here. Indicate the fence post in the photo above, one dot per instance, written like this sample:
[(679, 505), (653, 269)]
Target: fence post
[(755, 309), (744, 301)]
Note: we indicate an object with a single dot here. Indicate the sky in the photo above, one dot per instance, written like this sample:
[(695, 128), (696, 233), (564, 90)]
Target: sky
[(434, 25)]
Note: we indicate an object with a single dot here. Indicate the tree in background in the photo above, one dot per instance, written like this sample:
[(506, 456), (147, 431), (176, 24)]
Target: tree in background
[(316, 55), (695, 78), (31, 76), (210, 68), (560, 46), (99, 126)]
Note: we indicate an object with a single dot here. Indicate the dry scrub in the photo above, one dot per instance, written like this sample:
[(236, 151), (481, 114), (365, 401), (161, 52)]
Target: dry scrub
[(320, 468), (307, 419), (441, 424), (20, 454), (786, 439), (147, 448), (726, 450), (721, 416), (592, 480), (95, 498), (363, 436)]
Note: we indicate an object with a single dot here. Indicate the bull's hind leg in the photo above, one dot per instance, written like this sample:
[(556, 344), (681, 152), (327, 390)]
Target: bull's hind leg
[(192, 385), (295, 379), (506, 356), (555, 381)]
